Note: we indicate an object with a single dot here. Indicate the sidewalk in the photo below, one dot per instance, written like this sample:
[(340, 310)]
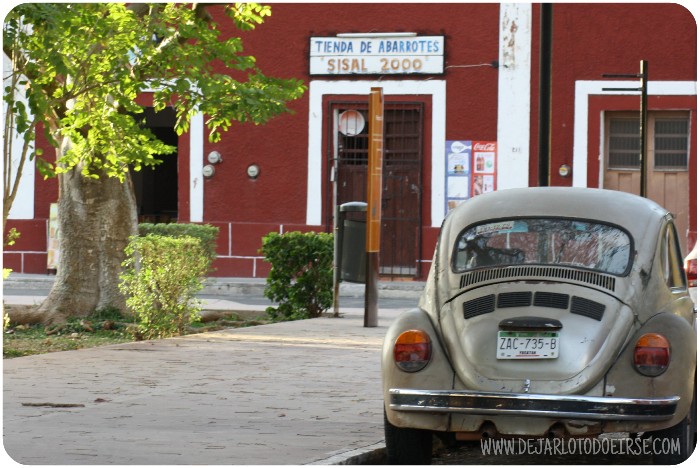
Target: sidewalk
[(231, 287), (302, 392)]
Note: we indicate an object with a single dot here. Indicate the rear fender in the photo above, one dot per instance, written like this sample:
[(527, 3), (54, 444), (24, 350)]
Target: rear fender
[(437, 375), (623, 380)]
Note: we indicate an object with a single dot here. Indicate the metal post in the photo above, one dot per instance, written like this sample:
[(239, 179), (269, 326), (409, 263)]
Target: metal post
[(336, 261), (374, 203), (545, 112), (643, 76), (643, 129)]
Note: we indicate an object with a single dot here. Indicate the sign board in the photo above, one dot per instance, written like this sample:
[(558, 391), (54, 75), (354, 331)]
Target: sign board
[(385, 55), (484, 167), (470, 170), (374, 168)]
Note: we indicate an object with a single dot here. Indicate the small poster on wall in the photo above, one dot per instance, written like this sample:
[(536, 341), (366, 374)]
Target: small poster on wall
[(484, 178), (471, 169), (53, 236), (458, 160)]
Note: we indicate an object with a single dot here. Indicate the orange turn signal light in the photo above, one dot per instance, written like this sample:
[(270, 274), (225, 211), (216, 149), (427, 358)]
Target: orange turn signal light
[(652, 354), (412, 350)]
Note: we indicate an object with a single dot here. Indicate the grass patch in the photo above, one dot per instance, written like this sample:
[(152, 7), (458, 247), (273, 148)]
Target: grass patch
[(99, 329)]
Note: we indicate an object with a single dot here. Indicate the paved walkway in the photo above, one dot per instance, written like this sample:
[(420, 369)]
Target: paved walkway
[(302, 392)]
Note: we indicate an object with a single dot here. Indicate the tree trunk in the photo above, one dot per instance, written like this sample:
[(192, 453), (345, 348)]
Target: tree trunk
[(95, 219)]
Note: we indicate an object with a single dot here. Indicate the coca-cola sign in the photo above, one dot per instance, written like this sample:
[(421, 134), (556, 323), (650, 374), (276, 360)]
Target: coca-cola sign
[(470, 170), (484, 146)]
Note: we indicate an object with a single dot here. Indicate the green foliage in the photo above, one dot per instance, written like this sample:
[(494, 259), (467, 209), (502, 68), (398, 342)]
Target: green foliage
[(206, 234), (161, 277), (79, 68), (11, 237), (301, 278)]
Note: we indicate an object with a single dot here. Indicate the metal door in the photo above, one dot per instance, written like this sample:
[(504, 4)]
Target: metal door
[(401, 177), (667, 160)]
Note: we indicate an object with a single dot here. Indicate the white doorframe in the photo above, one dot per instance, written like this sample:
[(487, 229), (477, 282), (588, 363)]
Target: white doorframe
[(585, 89), (318, 89)]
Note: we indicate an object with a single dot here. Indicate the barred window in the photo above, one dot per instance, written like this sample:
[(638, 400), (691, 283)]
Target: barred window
[(667, 142), (402, 136), (623, 144), (671, 144)]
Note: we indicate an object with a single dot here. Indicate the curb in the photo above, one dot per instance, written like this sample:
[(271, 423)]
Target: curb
[(243, 286), (370, 455)]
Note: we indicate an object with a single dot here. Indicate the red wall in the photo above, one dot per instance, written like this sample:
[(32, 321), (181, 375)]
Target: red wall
[(589, 40), (251, 208)]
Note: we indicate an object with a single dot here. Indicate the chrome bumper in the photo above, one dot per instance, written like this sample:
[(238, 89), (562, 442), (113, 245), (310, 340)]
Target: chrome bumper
[(538, 405)]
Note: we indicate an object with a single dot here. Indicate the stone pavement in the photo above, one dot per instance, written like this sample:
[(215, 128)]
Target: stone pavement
[(302, 392)]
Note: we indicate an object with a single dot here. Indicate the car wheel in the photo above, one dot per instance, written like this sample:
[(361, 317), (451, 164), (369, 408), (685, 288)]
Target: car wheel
[(407, 446), (681, 438)]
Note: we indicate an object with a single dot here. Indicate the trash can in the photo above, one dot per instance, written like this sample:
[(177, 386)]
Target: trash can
[(353, 261)]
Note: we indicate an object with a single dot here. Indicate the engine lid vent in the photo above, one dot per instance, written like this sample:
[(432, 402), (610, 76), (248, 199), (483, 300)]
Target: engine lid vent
[(553, 300), (587, 308), (515, 299), (479, 306), (494, 274)]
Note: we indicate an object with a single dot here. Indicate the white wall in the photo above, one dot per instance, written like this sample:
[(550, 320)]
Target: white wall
[(514, 77), (23, 206)]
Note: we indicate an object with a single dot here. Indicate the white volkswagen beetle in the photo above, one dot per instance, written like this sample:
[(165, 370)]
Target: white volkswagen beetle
[(548, 312)]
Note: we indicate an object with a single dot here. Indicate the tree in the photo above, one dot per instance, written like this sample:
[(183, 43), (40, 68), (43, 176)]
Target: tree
[(80, 68)]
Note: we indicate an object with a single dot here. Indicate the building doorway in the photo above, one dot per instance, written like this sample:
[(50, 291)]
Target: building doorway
[(156, 187), (668, 143), (401, 177)]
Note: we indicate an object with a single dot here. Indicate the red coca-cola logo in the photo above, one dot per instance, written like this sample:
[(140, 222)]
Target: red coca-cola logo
[(484, 146)]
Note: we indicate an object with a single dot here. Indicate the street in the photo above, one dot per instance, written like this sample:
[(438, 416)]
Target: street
[(310, 389), (297, 392)]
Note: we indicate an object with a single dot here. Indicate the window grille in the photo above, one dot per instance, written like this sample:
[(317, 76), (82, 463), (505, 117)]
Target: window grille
[(402, 138), (354, 148), (671, 144), (623, 144)]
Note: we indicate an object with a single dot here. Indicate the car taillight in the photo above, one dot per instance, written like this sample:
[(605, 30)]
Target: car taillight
[(691, 271), (652, 354), (412, 350)]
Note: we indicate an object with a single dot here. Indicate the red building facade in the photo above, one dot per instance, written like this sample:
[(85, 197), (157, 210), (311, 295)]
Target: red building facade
[(462, 87)]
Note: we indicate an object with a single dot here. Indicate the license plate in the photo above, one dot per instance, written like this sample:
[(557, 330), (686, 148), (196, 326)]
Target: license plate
[(527, 345)]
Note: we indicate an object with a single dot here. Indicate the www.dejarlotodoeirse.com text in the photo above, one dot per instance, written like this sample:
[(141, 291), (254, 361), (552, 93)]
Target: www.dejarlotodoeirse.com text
[(584, 446)]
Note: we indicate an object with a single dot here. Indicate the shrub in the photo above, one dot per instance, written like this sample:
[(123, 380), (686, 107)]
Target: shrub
[(10, 238), (301, 278), (161, 277), (206, 234)]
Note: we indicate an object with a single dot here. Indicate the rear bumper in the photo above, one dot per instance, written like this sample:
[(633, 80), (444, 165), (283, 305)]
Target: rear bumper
[(537, 405)]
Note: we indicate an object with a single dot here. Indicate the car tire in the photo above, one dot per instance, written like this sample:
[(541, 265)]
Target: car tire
[(406, 446), (685, 432)]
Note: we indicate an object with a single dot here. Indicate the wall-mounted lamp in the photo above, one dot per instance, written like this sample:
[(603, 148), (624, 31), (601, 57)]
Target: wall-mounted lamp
[(208, 171), (565, 170), (214, 157), (253, 171)]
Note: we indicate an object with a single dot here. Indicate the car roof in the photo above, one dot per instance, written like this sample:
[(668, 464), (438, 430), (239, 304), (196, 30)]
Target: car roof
[(631, 212)]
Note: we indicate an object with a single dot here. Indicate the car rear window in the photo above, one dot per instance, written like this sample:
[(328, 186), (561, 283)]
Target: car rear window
[(543, 241)]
